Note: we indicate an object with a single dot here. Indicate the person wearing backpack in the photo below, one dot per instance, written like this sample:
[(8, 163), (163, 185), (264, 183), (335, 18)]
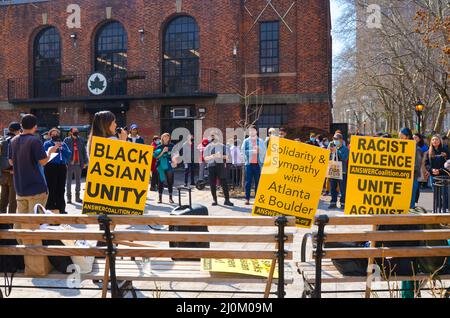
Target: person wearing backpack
[(8, 197)]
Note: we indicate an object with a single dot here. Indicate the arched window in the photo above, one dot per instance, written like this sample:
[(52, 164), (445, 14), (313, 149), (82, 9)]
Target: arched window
[(47, 63), (181, 56), (111, 45)]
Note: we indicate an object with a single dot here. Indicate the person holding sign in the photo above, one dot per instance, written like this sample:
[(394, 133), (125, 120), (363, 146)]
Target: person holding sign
[(254, 151), (406, 134), (339, 152), (104, 125), (164, 166)]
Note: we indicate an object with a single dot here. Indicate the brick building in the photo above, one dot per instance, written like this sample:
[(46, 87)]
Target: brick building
[(167, 63)]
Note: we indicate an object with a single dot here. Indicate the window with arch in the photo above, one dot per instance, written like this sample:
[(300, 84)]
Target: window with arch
[(47, 63), (111, 47), (181, 56)]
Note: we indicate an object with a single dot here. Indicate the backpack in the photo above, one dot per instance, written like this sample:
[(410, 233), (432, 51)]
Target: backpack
[(4, 147), (9, 264)]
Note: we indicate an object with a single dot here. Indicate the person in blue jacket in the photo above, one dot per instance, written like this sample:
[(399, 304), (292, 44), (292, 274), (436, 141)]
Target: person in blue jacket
[(339, 152), (56, 172), (254, 150)]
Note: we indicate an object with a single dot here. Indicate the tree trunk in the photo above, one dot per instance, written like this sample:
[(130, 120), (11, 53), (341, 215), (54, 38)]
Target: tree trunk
[(441, 114)]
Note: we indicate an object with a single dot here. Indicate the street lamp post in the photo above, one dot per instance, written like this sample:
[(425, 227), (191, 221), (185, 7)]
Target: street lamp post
[(419, 110), (364, 125)]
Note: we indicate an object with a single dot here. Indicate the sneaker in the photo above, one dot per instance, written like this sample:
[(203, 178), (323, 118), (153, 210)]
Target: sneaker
[(214, 203), (69, 201), (247, 202), (229, 203), (185, 185), (78, 200), (332, 206)]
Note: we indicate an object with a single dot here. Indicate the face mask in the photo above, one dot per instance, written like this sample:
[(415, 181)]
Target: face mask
[(56, 138), (312, 139), (75, 134), (326, 143), (158, 142), (337, 143)]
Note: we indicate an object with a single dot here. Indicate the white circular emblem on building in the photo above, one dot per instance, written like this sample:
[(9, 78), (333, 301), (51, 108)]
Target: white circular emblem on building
[(97, 83)]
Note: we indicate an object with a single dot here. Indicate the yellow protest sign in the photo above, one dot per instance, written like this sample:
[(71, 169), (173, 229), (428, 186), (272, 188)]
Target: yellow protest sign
[(291, 180), (380, 176), (254, 267), (118, 177)]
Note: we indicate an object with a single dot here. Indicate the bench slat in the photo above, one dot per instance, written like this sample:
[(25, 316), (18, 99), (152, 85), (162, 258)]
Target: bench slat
[(375, 252), (134, 235), (377, 236), (141, 252), (331, 275), (389, 219), (144, 220)]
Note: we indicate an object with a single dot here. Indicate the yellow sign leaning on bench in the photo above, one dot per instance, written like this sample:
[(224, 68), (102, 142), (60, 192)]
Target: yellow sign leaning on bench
[(380, 176), (254, 267), (118, 177), (291, 180)]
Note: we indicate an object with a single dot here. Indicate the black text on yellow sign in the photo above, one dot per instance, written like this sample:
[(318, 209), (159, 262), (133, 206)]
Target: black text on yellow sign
[(118, 177), (291, 180), (380, 176)]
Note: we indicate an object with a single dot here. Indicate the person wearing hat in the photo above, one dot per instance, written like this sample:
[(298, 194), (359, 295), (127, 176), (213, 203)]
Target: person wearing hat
[(339, 152), (134, 135), (8, 197)]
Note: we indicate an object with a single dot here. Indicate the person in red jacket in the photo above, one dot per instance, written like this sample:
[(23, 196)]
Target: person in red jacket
[(154, 182)]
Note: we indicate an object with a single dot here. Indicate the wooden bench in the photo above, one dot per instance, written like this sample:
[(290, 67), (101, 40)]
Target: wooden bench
[(320, 270), (127, 248)]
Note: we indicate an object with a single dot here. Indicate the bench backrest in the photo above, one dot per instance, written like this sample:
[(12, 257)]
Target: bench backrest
[(257, 241), (338, 234)]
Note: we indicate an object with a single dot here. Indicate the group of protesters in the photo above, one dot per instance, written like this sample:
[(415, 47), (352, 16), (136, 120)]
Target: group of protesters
[(32, 172)]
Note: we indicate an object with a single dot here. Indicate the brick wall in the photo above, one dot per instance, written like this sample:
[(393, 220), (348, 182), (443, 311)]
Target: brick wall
[(304, 52)]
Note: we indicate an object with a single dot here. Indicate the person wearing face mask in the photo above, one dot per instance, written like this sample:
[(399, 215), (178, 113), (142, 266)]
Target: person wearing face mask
[(312, 140), (339, 152), (254, 150), (56, 172), (325, 143), (77, 162)]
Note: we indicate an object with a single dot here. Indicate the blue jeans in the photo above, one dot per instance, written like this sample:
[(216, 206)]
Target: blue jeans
[(414, 192), (252, 172), (342, 187)]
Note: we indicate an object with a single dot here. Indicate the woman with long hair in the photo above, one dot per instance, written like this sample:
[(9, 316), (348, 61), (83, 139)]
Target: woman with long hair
[(104, 125), (436, 157), (164, 166)]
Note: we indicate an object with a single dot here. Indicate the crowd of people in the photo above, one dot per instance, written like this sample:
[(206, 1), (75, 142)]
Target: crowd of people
[(33, 172)]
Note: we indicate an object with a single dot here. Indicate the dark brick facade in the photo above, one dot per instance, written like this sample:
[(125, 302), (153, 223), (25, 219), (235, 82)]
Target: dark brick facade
[(303, 83)]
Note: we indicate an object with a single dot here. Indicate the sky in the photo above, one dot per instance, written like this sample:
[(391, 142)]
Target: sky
[(336, 12)]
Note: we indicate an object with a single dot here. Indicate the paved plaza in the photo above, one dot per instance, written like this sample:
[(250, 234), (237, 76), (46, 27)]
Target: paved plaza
[(202, 290)]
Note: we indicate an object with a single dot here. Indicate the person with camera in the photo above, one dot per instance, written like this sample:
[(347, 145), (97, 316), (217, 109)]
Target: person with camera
[(217, 155), (165, 166), (77, 163), (56, 172)]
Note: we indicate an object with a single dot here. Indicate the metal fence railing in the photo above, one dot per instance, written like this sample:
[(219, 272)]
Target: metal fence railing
[(440, 194)]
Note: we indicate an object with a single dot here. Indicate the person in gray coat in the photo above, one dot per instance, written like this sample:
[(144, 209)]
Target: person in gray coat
[(78, 162)]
